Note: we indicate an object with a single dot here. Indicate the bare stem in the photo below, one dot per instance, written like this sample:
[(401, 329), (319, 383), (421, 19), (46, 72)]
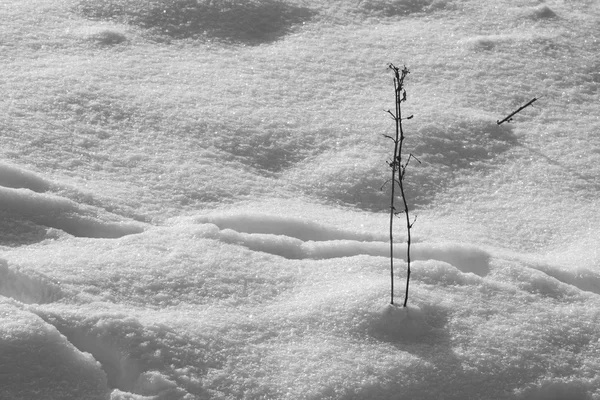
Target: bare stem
[(394, 166), (398, 170), (509, 117)]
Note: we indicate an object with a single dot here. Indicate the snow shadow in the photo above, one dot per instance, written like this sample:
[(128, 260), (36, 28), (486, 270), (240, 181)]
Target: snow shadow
[(540, 13), (397, 324), (249, 22), (591, 181), (269, 150), (556, 389), (391, 8), (16, 231), (463, 144), (449, 149), (422, 332), (27, 286)]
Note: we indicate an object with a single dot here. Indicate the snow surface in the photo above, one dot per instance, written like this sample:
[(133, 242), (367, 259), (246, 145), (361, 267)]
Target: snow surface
[(201, 217)]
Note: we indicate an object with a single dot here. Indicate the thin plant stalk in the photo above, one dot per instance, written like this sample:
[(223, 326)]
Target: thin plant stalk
[(398, 172)]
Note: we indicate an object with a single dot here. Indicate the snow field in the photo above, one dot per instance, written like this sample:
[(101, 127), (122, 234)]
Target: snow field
[(191, 309), (204, 220)]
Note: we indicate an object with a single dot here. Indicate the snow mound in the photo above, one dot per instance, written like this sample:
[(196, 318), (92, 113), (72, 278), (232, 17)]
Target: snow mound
[(27, 286), (395, 322), (542, 13), (464, 257), (103, 34), (151, 383), (150, 386), (492, 42), (67, 215), (34, 351), (437, 272)]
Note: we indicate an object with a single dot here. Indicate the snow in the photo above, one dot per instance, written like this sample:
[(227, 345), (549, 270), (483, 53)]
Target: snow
[(35, 352), (201, 216)]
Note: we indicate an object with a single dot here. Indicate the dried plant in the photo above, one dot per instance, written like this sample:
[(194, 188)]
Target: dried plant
[(398, 166)]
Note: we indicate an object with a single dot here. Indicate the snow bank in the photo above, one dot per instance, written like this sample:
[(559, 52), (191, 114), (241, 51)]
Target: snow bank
[(582, 278), (61, 213), (38, 362), (26, 195), (242, 324), (138, 358), (14, 177), (27, 286)]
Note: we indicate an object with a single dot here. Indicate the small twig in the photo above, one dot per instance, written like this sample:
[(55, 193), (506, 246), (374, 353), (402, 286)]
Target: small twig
[(509, 118), (411, 155), (414, 220)]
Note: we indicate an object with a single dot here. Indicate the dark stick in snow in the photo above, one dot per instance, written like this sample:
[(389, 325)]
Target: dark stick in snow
[(509, 118)]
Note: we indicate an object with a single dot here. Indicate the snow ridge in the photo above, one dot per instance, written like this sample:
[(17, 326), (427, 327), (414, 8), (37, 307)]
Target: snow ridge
[(27, 286), (25, 194), (295, 238)]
